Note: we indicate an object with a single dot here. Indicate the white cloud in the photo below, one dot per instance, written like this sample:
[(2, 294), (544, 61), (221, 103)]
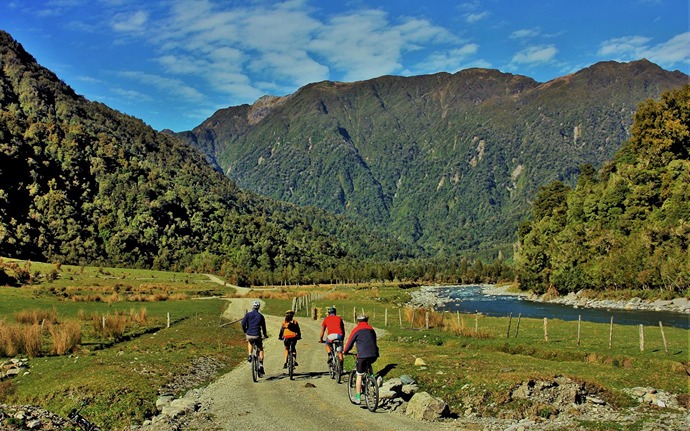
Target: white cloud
[(535, 55), (173, 87), (476, 17), (525, 33), (130, 21), (673, 52), (452, 60)]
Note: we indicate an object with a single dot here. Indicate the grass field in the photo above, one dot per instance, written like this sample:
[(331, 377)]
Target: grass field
[(470, 360)]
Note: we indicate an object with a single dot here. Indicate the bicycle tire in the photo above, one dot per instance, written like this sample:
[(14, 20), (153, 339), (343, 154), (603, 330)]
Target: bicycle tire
[(371, 392), (338, 369), (352, 386), (291, 364), (255, 365), (331, 367)]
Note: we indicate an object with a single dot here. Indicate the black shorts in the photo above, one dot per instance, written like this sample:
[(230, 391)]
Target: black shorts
[(364, 363), (288, 341)]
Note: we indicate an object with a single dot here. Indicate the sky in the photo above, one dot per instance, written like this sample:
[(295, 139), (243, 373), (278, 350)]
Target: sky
[(173, 63)]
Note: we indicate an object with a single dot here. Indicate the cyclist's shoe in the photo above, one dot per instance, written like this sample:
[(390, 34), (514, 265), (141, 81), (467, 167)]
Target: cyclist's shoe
[(261, 370), (296, 364), (328, 361), (249, 358), (285, 365), (358, 399)]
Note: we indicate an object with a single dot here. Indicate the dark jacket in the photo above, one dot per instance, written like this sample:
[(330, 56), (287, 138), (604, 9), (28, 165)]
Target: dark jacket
[(254, 323), (364, 338)]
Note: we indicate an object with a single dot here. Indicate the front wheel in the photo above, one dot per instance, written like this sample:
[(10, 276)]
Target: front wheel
[(371, 392), (352, 386), (291, 365)]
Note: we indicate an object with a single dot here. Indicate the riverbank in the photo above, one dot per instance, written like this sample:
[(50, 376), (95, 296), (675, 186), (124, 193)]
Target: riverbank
[(578, 300), (429, 297)]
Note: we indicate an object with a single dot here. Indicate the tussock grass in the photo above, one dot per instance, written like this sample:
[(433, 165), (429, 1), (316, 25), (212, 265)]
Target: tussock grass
[(35, 316), (66, 337)]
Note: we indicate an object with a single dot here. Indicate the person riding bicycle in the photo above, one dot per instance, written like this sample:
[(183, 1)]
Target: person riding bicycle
[(290, 332), (335, 328), (363, 337), (253, 324)]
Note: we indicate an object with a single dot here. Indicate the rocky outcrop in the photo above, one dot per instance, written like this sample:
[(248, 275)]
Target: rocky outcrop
[(423, 406)]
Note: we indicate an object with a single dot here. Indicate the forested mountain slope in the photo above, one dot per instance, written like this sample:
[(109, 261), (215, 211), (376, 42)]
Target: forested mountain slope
[(447, 161), (82, 183), (626, 226)]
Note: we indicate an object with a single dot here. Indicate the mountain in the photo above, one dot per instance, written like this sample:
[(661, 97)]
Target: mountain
[(449, 162), (81, 183)]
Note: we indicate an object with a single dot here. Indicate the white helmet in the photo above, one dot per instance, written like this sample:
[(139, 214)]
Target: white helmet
[(256, 305)]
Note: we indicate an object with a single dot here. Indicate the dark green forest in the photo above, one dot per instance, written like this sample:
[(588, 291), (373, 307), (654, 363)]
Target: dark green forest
[(625, 226)]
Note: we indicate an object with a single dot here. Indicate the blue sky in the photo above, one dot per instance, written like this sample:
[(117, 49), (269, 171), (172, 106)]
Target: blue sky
[(173, 63)]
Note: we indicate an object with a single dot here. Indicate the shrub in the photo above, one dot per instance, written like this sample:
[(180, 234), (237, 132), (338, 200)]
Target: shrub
[(32, 340), (66, 337)]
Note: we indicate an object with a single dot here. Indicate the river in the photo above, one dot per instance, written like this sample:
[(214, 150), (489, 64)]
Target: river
[(469, 299)]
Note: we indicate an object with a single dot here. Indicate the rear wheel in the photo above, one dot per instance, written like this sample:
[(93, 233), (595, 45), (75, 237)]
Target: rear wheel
[(331, 366), (291, 364), (338, 368), (255, 365), (371, 392)]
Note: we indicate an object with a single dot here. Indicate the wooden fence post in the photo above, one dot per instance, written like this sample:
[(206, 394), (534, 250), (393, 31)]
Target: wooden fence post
[(611, 334), (354, 314), (579, 328), (663, 337), (400, 316), (426, 320), (476, 322), (517, 329), (641, 338), (510, 320), (412, 323), (385, 318), (546, 329), (168, 320)]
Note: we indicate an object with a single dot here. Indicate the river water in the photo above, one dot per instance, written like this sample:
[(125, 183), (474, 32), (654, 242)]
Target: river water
[(469, 299)]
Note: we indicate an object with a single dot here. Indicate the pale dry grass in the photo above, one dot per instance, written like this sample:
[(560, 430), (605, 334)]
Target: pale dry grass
[(31, 340), (66, 337), (30, 317)]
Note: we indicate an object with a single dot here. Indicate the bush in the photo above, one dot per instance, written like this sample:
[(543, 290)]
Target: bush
[(66, 337)]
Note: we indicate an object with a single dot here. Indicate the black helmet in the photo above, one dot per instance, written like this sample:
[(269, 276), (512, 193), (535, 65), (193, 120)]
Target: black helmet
[(331, 309)]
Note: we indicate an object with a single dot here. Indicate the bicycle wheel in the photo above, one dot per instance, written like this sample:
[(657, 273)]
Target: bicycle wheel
[(352, 386), (331, 366), (371, 392), (291, 364), (255, 364), (337, 368)]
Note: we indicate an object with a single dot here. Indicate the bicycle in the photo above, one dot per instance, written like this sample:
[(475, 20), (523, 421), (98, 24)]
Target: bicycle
[(76, 418), (255, 362), (370, 388), (335, 365)]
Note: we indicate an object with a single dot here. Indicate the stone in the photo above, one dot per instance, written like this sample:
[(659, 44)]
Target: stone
[(426, 407), (163, 400), (419, 362), (407, 380), (409, 389)]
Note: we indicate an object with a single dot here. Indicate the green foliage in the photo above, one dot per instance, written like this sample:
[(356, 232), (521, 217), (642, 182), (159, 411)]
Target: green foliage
[(630, 227)]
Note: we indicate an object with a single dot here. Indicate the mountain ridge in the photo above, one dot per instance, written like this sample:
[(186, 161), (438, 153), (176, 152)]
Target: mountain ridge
[(448, 161)]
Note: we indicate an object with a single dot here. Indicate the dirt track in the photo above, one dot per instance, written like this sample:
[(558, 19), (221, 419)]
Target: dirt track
[(234, 402)]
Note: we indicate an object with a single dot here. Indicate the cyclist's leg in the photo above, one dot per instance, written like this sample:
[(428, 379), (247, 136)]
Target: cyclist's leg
[(286, 343), (361, 369)]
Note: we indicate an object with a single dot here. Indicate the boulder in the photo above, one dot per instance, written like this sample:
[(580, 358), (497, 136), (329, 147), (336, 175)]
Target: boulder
[(426, 407)]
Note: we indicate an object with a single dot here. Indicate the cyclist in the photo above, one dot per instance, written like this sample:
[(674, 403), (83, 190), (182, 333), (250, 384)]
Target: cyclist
[(363, 337), (334, 326), (290, 332), (253, 324)]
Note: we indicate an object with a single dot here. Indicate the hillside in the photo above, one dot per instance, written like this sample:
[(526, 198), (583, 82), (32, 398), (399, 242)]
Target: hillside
[(626, 226), (447, 161), (81, 183)]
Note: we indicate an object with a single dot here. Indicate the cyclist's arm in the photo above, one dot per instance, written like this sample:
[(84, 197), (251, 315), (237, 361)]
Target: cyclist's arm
[(263, 326), (323, 330)]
